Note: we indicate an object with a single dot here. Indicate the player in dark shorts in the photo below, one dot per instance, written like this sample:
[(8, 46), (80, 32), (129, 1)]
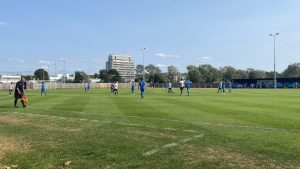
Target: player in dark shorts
[(19, 92), (112, 87)]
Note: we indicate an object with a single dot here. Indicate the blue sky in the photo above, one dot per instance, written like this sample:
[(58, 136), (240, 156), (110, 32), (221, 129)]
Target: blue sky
[(35, 33)]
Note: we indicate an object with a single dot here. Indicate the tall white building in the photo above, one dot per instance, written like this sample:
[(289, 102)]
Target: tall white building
[(123, 64)]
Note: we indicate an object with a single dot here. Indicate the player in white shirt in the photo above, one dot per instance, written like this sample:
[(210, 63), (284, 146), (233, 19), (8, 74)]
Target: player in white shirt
[(170, 87), (181, 85), (116, 86), (11, 88), (86, 87)]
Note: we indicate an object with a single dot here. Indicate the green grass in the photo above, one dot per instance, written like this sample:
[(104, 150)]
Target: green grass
[(245, 129)]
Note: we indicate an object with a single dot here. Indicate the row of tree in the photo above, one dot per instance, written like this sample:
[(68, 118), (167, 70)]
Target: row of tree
[(202, 73), (208, 73)]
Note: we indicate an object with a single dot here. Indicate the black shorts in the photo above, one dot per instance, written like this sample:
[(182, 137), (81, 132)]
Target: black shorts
[(181, 88), (18, 96)]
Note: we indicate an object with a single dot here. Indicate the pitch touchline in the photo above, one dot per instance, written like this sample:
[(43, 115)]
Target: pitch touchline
[(102, 121), (180, 121)]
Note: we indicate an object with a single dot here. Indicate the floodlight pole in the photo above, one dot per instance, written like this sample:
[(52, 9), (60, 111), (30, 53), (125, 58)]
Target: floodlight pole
[(275, 80), (55, 75), (143, 50)]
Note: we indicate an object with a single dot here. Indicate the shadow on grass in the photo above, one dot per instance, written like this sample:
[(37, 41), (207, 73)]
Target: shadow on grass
[(5, 106)]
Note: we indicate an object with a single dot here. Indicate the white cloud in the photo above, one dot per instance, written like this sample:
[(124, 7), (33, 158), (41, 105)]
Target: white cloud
[(205, 59), (2, 23), (164, 56), (161, 65), (45, 62)]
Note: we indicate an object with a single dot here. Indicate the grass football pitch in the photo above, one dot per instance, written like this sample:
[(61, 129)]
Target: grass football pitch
[(73, 129)]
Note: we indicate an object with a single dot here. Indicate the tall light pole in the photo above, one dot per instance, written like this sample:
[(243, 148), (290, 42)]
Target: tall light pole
[(275, 80), (55, 75), (143, 50)]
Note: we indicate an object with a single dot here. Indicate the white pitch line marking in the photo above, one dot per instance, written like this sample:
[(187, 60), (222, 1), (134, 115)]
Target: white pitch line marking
[(171, 129), (170, 145), (104, 121), (199, 136), (149, 153), (136, 125), (186, 140), (190, 131)]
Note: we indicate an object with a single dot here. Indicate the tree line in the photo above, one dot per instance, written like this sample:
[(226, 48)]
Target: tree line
[(205, 73)]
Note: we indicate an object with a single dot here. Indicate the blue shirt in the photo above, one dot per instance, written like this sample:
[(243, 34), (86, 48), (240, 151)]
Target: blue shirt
[(223, 85), (43, 87), (188, 83), (142, 85)]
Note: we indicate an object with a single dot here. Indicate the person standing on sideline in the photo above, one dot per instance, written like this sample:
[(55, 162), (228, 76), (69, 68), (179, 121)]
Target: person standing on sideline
[(133, 87), (43, 89), (142, 87), (181, 85), (10, 88), (19, 92), (229, 87), (188, 84)]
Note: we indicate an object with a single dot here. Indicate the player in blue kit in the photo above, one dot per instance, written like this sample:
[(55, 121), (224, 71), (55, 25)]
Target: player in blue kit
[(188, 84), (43, 89), (142, 86)]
